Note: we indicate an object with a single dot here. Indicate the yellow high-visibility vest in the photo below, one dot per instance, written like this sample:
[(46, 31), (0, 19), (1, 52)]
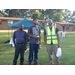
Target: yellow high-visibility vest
[(51, 35)]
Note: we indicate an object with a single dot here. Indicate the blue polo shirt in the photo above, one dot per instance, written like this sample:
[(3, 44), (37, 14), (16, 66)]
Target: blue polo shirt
[(20, 36)]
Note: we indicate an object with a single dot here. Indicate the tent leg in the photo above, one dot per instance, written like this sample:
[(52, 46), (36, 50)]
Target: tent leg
[(8, 33)]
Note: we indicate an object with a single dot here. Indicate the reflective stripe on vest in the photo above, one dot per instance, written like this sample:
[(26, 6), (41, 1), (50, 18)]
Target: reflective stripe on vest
[(51, 35)]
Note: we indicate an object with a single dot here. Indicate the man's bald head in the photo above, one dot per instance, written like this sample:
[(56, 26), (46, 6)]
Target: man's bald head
[(50, 22), (20, 27)]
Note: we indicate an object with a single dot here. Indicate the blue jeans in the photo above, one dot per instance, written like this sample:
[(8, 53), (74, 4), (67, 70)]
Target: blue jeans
[(33, 47)]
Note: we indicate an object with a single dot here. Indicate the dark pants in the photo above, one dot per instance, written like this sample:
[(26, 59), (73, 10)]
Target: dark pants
[(19, 48), (33, 47)]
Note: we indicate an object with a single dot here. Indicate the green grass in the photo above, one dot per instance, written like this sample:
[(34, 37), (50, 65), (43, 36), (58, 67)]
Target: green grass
[(67, 58)]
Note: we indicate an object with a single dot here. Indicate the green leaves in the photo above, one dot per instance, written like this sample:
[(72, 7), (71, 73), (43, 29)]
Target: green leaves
[(57, 15)]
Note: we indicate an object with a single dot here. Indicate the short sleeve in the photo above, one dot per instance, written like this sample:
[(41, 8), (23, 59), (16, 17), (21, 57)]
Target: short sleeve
[(57, 30), (26, 36), (14, 35)]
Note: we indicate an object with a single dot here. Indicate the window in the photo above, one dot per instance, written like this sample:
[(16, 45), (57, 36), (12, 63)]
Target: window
[(67, 27), (10, 22), (73, 27), (0, 22)]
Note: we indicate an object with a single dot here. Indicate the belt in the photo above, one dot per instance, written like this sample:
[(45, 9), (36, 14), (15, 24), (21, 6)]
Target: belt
[(20, 44)]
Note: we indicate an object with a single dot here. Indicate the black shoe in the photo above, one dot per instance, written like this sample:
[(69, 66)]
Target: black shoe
[(36, 63), (29, 63)]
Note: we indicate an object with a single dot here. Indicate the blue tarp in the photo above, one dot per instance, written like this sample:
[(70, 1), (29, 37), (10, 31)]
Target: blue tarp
[(26, 23)]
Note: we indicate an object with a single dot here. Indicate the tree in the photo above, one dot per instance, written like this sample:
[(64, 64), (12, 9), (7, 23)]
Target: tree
[(54, 14), (15, 12), (57, 17), (73, 17), (22, 12), (51, 14), (67, 15), (1, 15), (36, 14)]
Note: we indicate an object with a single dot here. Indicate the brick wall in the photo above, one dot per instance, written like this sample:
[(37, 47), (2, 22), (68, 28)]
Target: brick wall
[(59, 27), (4, 25), (70, 28)]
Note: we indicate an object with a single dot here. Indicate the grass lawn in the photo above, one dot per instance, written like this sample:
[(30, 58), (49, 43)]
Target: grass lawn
[(67, 58)]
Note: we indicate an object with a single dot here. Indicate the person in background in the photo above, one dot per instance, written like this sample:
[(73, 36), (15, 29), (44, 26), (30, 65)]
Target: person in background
[(20, 42), (35, 40), (51, 38), (63, 35)]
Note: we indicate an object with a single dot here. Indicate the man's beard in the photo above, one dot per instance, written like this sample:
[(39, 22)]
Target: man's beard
[(50, 24), (35, 24), (20, 29)]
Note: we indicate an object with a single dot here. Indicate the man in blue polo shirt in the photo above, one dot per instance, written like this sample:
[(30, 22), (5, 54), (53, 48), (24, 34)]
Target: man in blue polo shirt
[(20, 42)]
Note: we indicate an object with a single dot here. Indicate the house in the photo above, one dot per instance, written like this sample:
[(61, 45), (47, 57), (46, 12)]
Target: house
[(68, 27), (5, 21)]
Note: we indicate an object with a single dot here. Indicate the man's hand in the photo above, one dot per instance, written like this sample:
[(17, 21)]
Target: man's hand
[(25, 48), (32, 36), (40, 44), (35, 37), (58, 45)]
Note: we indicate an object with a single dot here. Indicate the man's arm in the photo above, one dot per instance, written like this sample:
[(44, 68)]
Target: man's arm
[(40, 36), (25, 44), (14, 38), (58, 39), (45, 38), (14, 41), (32, 36), (45, 35), (40, 39)]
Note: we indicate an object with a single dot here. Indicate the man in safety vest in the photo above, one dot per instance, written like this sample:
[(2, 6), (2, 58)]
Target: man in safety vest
[(51, 38)]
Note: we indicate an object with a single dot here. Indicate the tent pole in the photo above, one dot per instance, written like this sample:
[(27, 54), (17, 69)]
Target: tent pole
[(8, 33)]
